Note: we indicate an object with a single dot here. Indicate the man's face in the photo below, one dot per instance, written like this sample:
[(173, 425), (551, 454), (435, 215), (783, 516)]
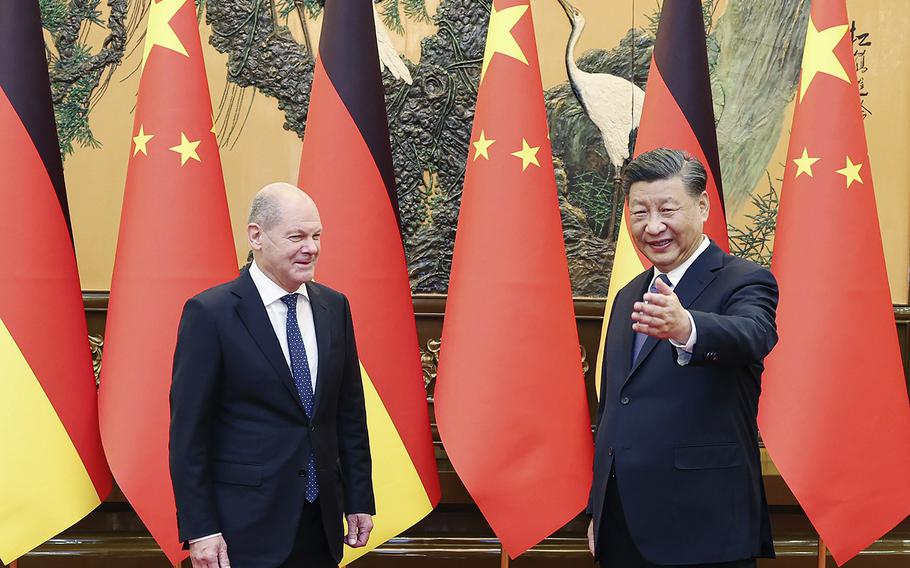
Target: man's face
[(287, 252), (666, 221)]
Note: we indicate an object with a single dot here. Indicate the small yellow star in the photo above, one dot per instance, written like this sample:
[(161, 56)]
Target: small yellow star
[(527, 154), (851, 172), (159, 31), (140, 140), (481, 146), (819, 56), (186, 149), (500, 38), (804, 164)]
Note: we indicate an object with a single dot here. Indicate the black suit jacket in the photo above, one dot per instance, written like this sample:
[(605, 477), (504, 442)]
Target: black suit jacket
[(683, 439), (240, 439)]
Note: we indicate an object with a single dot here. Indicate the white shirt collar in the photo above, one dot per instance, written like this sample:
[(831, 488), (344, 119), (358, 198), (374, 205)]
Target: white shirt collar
[(677, 273), (269, 291)]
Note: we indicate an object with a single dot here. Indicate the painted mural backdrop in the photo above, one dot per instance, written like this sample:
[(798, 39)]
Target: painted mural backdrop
[(431, 52)]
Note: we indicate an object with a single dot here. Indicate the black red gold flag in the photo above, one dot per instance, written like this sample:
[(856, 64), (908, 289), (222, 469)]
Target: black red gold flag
[(346, 166), (677, 113), (55, 470)]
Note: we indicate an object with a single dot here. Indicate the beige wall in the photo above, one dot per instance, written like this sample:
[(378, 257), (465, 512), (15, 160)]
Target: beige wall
[(266, 152)]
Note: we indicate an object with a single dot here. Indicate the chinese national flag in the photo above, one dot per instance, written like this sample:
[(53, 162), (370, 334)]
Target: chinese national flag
[(510, 397), (175, 241), (53, 471), (834, 413), (677, 113), (346, 166)]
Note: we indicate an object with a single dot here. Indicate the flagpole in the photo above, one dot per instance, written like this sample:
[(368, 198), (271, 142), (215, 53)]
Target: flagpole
[(503, 558), (822, 553)]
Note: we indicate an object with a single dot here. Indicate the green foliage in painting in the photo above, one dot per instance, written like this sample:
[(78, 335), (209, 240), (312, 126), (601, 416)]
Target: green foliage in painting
[(755, 240)]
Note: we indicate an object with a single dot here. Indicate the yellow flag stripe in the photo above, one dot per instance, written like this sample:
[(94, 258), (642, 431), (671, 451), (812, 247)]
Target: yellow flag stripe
[(44, 487), (626, 266), (401, 499)]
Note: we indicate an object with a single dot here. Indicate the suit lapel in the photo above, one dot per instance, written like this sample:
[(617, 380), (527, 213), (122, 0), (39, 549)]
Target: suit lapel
[(253, 315), (688, 289), (323, 340)]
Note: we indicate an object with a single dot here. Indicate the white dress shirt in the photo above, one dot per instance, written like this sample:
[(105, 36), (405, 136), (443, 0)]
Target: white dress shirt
[(271, 294), (684, 350)]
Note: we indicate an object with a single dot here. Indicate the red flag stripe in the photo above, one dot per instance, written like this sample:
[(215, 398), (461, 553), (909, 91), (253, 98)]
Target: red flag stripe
[(40, 302)]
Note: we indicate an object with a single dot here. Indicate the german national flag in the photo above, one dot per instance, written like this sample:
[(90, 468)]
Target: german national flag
[(54, 471), (677, 113), (347, 168)]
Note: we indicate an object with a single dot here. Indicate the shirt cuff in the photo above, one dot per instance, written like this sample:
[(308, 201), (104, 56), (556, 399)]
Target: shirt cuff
[(684, 351), (195, 540)]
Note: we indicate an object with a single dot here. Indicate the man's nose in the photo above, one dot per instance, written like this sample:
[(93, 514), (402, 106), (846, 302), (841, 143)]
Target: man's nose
[(655, 225), (308, 246)]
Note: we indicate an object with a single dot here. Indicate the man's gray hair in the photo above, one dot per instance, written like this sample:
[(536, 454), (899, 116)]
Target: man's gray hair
[(666, 163), (265, 210)]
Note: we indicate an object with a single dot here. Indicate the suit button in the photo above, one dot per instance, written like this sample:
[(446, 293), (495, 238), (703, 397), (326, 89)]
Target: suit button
[(301, 472), (610, 451), (624, 400)]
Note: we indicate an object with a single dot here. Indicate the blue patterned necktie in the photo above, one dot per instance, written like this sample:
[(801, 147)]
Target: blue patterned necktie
[(641, 337), (300, 368)]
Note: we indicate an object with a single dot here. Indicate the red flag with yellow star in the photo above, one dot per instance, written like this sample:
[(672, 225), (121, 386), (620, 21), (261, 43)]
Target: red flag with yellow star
[(510, 395), (175, 241), (834, 413)]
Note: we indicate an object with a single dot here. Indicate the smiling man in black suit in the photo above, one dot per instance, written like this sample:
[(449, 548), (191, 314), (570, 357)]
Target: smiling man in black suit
[(268, 444), (677, 478)]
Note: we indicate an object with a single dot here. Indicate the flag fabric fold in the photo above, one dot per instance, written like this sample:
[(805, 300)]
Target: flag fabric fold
[(677, 113), (346, 166), (175, 241), (510, 399), (48, 402), (834, 413)]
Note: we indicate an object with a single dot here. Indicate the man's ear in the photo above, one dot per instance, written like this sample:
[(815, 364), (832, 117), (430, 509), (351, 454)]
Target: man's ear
[(254, 235), (704, 205)]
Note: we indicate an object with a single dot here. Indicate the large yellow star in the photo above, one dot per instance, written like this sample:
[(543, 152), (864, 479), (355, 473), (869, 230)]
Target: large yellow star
[(851, 172), (500, 38), (186, 149), (140, 140), (482, 145), (819, 56), (804, 164), (159, 30), (527, 154)]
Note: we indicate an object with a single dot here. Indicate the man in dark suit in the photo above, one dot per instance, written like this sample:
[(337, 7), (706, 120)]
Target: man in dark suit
[(268, 440), (677, 479)]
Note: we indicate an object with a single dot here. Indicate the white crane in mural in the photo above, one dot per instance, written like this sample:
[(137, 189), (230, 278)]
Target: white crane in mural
[(612, 103), (389, 58)]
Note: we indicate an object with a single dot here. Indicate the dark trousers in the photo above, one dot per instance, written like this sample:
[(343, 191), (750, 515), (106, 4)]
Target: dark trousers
[(616, 548), (311, 549)]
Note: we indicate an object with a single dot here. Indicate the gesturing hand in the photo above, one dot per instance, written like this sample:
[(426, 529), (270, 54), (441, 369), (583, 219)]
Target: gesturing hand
[(359, 527), (661, 315), (209, 553)]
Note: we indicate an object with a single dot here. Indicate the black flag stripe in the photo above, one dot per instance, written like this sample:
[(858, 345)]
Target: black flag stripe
[(24, 80), (682, 59), (347, 48)]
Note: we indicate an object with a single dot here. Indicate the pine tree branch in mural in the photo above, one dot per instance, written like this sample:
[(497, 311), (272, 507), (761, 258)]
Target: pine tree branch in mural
[(78, 76)]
